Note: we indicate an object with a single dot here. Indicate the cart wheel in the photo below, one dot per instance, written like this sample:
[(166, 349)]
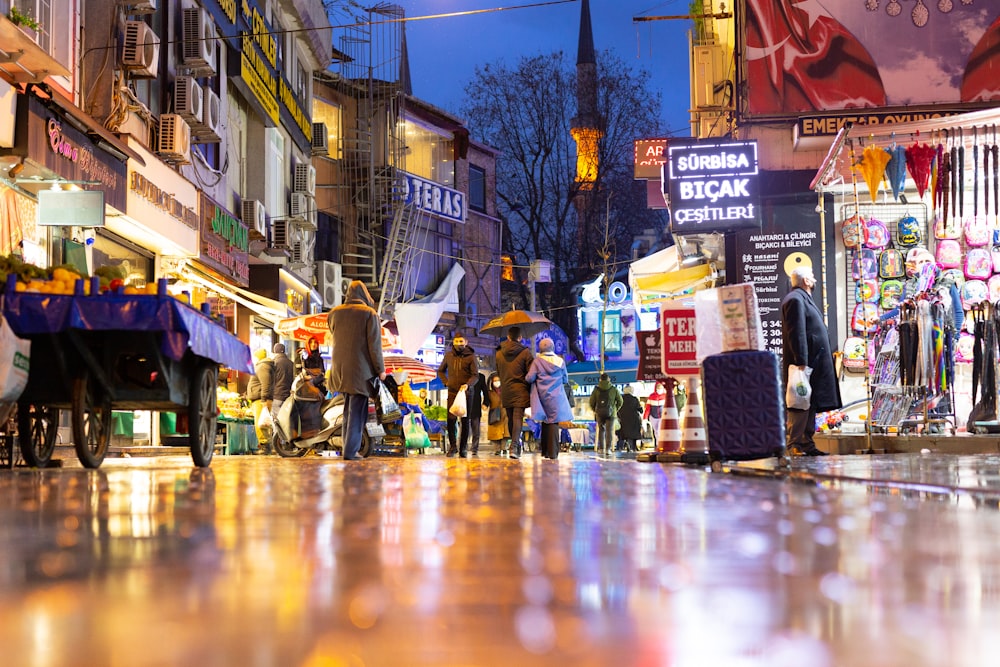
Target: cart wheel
[(784, 462), (366, 444), (202, 414), (37, 428), (716, 466), (91, 422)]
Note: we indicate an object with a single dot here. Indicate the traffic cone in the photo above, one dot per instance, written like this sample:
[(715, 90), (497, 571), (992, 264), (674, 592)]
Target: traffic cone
[(693, 436), (668, 434)]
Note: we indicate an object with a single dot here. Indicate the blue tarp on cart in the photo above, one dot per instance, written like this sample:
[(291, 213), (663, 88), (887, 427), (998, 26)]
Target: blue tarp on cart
[(182, 326)]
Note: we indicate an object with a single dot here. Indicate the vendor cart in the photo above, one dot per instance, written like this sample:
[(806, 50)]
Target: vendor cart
[(94, 354)]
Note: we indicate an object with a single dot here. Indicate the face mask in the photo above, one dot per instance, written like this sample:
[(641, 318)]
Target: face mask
[(496, 385), (459, 348)]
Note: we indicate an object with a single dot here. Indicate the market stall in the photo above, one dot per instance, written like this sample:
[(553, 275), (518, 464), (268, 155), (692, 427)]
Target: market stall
[(93, 353), (917, 207)]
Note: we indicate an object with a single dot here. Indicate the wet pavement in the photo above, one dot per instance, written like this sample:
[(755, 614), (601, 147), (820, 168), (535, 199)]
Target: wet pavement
[(259, 561)]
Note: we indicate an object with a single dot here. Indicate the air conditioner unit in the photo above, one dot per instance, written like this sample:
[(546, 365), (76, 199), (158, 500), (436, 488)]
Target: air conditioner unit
[(199, 43), (281, 234), (133, 7), (174, 139), (188, 99), (141, 50), (344, 284), (298, 205), (209, 131), (320, 139), (305, 179), (329, 276), (255, 216)]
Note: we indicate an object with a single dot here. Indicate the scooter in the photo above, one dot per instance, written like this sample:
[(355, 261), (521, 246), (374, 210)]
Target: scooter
[(308, 421)]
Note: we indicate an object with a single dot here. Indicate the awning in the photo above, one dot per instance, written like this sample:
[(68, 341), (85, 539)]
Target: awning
[(589, 372), (269, 309), (660, 276)]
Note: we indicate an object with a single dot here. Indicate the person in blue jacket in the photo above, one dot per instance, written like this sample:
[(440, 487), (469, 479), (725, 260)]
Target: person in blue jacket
[(549, 403)]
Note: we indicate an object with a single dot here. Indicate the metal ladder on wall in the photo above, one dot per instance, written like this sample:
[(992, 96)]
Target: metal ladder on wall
[(403, 255)]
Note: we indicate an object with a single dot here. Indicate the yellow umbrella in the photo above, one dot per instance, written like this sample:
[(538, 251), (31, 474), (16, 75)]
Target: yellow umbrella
[(872, 167)]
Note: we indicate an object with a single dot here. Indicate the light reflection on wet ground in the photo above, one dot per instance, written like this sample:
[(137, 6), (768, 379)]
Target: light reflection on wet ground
[(433, 561)]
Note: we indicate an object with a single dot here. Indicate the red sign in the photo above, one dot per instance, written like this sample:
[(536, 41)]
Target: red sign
[(680, 348)]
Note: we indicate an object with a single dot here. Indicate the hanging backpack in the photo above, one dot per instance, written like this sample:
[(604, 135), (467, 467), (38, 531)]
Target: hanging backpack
[(948, 254), (864, 265), (993, 286), (891, 293), (977, 232), (854, 354), (866, 290), (978, 264), (908, 233), (951, 230), (864, 319), (953, 276), (602, 407), (974, 292), (854, 234), (891, 263), (995, 253), (878, 234), (965, 348)]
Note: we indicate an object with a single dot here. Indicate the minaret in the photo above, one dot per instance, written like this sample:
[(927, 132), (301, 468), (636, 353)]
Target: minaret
[(586, 126)]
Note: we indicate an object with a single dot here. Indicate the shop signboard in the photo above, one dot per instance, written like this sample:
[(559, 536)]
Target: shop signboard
[(54, 143), (680, 347), (253, 61), (434, 198), (790, 237), (849, 57), (650, 356), (162, 208), (225, 241), (650, 155), (713, 186)]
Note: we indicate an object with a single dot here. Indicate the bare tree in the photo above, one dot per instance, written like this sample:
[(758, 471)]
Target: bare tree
[(527, 111)]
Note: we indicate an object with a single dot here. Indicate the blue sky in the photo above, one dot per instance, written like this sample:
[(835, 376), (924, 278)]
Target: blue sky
[(445, 52)]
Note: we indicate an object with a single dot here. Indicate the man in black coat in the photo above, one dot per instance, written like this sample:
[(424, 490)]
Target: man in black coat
[(806, 342), (459, 372), (513, 362)]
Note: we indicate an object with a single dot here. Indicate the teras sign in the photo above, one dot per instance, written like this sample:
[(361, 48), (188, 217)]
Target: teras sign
[(713, 187)]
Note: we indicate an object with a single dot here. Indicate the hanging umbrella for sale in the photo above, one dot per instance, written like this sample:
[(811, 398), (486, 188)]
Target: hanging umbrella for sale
[(529, 321), (895, 170), (872, 167), (919, 158), (416, 371)]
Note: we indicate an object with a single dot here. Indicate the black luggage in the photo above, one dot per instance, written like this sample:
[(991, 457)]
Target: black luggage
[(744, 405)]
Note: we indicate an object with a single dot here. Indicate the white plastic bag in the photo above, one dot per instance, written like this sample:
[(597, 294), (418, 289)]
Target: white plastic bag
[(459, 407), (799, 391), (15, 354)]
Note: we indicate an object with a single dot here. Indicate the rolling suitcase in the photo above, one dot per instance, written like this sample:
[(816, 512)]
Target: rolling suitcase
[(744, 406)]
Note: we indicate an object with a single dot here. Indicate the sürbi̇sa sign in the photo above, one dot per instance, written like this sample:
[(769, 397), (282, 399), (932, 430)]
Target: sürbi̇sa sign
[(712, 187)]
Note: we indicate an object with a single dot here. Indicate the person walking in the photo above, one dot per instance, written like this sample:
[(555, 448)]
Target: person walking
[(477, 399), (284, 374), (549, 403), (496, 416), (513, 361), (605, 401), (260, 393), (629, 421), (459, 372), (356, 359), (806, 343)]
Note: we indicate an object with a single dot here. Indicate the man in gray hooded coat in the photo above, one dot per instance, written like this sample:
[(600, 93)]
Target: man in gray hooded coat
[(356, 358)]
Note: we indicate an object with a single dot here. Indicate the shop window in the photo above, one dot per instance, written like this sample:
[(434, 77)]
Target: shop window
[(429, 154), (55, 28), (612, 332), (477, 188), (331, 115)]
